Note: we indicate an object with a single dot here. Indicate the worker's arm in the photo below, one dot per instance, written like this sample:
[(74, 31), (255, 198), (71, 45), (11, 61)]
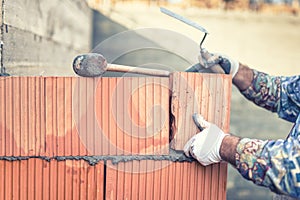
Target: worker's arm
[(272, 164), (274, 93), (243, 78)]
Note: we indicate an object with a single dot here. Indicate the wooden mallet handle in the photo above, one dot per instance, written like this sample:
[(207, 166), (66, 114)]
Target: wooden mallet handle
[(137, 70), (93, 65)]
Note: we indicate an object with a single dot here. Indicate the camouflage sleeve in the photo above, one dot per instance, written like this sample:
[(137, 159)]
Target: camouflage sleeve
[(272, 164), (264, 91), (275, 93), (290, 98)]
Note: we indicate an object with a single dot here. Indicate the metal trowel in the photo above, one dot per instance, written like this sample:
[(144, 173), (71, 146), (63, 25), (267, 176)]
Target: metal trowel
[(197, 67)]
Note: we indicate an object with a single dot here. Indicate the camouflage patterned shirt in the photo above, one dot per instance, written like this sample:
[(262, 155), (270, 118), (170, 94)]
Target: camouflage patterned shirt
[(273, 163)]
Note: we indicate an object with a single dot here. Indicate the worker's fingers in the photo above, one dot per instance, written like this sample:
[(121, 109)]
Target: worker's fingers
[(202, 62), (187, 147), (200, 122), (207, 59), (201, 58)]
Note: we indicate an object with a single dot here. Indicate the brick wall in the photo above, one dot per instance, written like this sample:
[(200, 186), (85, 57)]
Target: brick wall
[(108, 138)]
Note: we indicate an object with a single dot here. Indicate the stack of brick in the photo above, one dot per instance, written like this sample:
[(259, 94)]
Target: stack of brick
[(108, 138)]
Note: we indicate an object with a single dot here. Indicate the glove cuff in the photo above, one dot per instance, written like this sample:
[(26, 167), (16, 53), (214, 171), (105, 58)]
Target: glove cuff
[(213, 155), (219, 143), (228, 65), (234, 68)]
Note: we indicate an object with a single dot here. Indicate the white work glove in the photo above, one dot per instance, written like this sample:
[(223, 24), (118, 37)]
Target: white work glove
[(205, 146), (215, 63)]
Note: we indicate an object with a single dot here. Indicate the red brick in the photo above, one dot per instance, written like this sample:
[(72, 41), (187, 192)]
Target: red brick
[(2, 118), (150, 179), (207, 94), (60, 115), (31, 179), (52, 182), (9, 179), (8, 99)]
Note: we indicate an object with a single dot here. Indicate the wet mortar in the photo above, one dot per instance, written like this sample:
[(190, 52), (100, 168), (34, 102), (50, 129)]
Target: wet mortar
[(174, 156)]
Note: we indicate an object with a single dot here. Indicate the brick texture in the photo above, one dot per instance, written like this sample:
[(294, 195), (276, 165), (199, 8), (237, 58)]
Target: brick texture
[(40, 179), (207, 94), (46, 117), (165, 180), (62, 116)]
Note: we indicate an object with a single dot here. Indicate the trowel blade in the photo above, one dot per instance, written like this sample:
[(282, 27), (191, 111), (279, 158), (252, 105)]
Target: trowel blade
[(183, 19)]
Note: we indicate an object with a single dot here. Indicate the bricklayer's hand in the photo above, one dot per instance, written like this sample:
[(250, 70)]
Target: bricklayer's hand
[(205, 146), (218, 63), (215, 63)]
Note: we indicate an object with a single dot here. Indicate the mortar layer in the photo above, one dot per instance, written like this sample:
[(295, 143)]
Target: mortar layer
[(174, 156)]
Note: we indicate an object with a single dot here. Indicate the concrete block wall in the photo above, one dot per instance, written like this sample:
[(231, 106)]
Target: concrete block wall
[(108, 138), (41, 37)]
